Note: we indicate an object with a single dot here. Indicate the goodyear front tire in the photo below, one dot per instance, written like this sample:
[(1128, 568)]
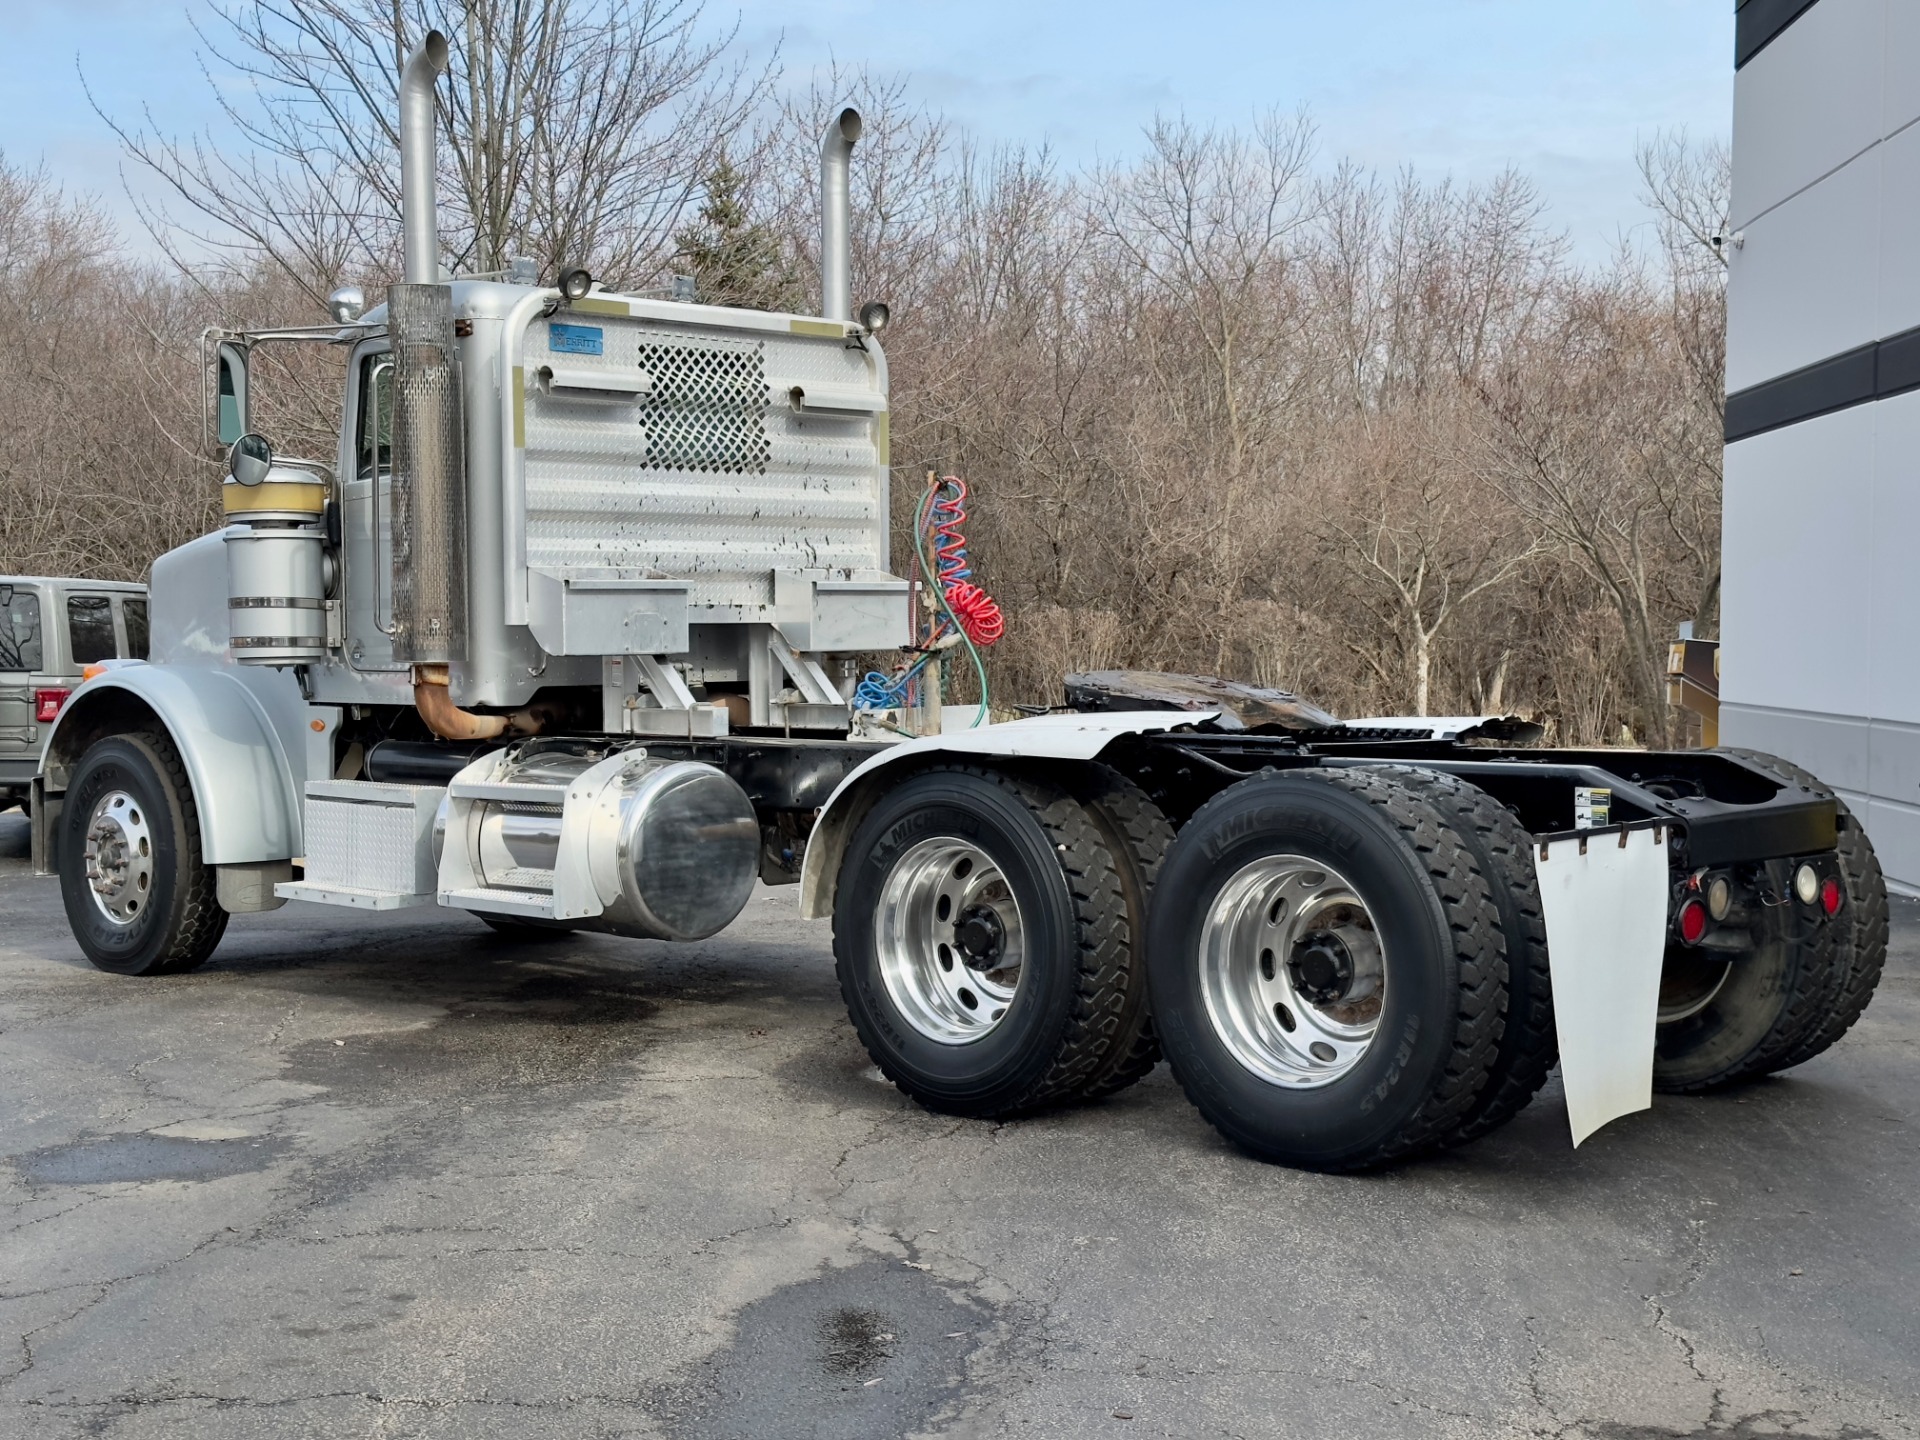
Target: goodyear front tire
[(1327, 967), (980, 937), (138, 896)]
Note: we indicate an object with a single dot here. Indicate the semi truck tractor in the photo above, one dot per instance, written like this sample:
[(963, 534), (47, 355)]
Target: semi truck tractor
[(568, 631)]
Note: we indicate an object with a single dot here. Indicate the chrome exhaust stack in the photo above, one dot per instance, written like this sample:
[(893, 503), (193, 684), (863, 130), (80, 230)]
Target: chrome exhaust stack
[(428, 497), (836, 216), (420, 262)]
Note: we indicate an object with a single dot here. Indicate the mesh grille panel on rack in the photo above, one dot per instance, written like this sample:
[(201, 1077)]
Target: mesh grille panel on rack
[(707, 409)]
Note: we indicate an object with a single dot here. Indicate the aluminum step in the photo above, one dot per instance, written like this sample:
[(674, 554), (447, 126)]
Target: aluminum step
[(528, 904), (353, 895), (508, 792)]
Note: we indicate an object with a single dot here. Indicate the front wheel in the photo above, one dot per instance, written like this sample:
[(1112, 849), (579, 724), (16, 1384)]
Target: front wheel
[(139, 897)]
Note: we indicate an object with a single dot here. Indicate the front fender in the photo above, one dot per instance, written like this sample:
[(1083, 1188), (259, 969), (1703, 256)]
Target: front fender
[(1073, 737), (239, 732)]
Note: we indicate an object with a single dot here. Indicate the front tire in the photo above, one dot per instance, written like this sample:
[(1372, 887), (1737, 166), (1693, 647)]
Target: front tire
[(980, 938), (1327, 967), (138, 896)]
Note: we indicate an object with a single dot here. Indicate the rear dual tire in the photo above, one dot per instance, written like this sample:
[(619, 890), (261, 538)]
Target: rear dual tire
[(1787, 1001), (983, 943), (1345, 902)]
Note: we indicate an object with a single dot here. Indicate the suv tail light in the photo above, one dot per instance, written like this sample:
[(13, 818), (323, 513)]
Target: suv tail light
[(47, 703)]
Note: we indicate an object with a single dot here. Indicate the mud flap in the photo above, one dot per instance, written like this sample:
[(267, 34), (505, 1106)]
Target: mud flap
[(1604, 894)]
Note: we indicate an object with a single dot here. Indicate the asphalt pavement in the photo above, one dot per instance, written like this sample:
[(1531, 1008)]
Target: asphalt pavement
[(398, 1176)]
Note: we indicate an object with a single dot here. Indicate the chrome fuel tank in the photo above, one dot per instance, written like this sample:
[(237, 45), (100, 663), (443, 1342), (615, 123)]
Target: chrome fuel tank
[(670, 848)]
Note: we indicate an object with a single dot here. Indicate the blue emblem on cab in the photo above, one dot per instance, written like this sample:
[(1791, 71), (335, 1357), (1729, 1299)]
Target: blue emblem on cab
[(575, 339)]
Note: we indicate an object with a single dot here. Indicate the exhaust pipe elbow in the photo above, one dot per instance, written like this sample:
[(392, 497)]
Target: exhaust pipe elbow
[(836, 216), (434, 701), (421, 240)]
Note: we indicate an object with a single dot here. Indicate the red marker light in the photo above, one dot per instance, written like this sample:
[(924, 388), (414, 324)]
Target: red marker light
[(1831, 896), (47, 703), (1693, 922)]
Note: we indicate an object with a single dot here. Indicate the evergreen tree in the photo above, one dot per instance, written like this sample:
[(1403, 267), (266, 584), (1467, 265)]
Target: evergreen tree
[(735, 260)]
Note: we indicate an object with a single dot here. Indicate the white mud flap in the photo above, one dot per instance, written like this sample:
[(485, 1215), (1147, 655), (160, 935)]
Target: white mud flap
[(1605, 901)]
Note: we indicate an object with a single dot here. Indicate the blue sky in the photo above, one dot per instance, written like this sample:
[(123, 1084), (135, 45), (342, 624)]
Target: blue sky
[(1559, 88)]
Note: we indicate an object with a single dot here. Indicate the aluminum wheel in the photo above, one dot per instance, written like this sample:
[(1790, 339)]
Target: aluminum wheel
[(119, 857), (950, 940), (1293, 971), (1688, 982)]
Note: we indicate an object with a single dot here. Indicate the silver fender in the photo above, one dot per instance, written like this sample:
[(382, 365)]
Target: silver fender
[(240, 733), (1043, 737)]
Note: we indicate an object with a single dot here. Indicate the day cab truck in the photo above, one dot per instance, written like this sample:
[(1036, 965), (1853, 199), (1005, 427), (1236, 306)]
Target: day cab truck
[(563, 635)]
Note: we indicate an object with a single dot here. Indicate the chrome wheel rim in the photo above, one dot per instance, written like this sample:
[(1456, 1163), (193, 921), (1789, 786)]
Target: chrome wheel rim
[(1689, 983), (119, 857), (1293, 971), (950, 940)]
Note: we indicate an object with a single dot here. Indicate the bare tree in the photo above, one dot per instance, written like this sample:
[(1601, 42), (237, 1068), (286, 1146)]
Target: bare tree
[(576, 131), (97, 473), (1422, 540), (1373, 438)]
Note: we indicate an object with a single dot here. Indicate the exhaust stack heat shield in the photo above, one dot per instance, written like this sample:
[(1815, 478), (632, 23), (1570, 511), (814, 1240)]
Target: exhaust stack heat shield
[(429, 479)]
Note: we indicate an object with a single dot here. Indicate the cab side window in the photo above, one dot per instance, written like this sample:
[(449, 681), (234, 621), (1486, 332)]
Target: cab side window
[(90, 629), (375, 441), (19, 629), (133, 613)]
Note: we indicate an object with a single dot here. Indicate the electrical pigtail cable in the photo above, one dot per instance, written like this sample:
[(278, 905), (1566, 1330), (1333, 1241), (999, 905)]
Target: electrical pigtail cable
[(969, 616)]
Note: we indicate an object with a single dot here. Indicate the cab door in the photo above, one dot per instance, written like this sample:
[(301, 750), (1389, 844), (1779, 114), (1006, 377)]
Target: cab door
[(366, 528)]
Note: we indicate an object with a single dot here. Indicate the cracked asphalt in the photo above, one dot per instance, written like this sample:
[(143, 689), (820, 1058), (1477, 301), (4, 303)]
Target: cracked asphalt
[(397, 1176)]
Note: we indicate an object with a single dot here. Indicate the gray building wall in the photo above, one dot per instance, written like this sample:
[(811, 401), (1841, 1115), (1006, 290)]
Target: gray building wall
[(1820, 660)]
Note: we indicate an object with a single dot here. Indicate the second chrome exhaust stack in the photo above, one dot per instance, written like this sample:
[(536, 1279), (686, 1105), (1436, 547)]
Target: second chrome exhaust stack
[(836, 216)]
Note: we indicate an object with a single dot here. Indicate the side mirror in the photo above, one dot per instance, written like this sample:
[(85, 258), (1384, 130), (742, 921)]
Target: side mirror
[(250, 459), (233, 392), (347, 304)]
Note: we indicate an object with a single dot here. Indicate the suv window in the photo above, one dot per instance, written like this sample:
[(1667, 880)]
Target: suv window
[(134, 613), (19, 629), (89, 629)]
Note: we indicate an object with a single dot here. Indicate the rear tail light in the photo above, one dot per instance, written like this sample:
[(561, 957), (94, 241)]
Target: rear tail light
[(47, 703), (1693, 922), (1831, 896), (1806, 884)]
